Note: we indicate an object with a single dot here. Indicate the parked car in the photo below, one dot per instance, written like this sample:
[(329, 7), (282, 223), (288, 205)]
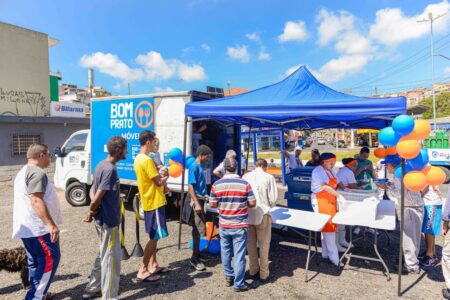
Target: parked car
[(341, 144), (321, 142)]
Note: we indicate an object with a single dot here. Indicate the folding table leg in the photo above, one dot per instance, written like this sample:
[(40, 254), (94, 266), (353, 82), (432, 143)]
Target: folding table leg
[(308, 256), (346, 253), (375, 247)]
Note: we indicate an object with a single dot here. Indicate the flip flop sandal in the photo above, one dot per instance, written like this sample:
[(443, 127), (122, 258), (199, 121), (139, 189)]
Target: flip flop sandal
[(161, 270), (150, 278)]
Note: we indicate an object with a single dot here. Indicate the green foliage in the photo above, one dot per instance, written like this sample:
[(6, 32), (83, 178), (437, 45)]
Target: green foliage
[(442, 106)]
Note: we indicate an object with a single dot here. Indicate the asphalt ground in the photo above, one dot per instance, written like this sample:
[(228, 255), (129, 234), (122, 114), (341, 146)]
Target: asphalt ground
[(360, 280)]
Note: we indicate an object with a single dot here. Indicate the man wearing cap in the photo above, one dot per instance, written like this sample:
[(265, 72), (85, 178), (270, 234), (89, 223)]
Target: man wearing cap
[(413, 215), (294, 160), (323, 199), (346, 175), (233, 196)]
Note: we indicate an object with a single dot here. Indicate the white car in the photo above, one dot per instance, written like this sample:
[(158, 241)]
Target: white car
[(321, 142)]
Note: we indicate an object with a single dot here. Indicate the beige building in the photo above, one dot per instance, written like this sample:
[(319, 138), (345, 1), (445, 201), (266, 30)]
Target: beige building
[(24, 72)]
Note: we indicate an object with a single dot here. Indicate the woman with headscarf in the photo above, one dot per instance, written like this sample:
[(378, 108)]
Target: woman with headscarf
[(324, 184)]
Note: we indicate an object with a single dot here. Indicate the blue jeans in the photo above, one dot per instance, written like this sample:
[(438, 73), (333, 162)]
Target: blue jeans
[(234, 241)]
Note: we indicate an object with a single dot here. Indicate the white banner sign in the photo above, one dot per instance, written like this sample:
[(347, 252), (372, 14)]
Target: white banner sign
[(74, 110), (442, 155)]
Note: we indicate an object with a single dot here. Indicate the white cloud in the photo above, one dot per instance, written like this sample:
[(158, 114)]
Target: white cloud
[(331, 25), (163, 90), (352, 42), (293, 31), (186, 51), (291, 70), (111, 65), (338, 68), (254, 37), (263, 55), (157, 68), (206, 48), (239, 52), (392, 27)]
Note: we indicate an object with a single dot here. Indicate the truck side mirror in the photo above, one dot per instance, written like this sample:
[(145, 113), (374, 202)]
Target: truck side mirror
[(59, 152)]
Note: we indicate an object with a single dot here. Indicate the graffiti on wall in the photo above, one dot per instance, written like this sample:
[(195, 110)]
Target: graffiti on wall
[(23, 103)]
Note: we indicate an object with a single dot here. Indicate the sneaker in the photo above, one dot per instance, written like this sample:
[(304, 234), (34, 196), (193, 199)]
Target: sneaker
[(241, 289), (87, 294), (446, 293), (422, 255), (229, 281), (429, 261), (197, 264), (203, 258)]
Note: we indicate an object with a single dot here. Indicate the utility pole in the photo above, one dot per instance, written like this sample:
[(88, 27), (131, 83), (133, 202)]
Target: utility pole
[(431, 19), (129, 89)]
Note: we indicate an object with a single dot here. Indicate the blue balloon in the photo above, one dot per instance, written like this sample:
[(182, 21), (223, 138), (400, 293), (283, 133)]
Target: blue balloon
[(176, 155), (189, 161), (420, 161), (398, 171), (403, 125), (388, 137)]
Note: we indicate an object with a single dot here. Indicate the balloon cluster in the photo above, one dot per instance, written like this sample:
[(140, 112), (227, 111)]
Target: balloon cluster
[(402, 139), (176, 162)]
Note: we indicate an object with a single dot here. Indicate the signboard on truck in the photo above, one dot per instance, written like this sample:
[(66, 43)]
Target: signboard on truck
[(124, 117), (439, 156)]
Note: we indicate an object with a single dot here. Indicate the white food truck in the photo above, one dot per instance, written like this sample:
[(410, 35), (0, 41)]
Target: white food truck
[(128, 116)]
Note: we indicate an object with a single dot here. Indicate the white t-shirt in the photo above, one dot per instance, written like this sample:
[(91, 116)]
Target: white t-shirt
[(26, 223), (346, 176), (294, 162), (432, 197), (319, 176)]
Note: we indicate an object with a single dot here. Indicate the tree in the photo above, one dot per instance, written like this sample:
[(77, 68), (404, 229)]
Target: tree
[(442, 106)]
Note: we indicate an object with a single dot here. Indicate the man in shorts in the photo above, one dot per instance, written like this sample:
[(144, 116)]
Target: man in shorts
[(153, 202), (193, 210), (431, 226)]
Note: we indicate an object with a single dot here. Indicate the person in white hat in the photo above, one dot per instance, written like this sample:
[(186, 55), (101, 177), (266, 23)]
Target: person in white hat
[(294, 160)]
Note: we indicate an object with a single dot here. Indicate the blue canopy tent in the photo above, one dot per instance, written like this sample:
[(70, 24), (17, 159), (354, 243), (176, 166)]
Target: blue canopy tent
[(299, 101)]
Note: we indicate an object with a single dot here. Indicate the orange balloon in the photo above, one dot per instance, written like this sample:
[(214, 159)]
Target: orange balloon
[(175, 170), (426, 170), (391, 150), (171, 162), (415, 181), (380, 152), (421, 131), (408, 149), (435, 176)]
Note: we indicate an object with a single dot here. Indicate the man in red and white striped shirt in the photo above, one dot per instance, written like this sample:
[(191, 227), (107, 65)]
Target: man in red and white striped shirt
[(233, 196)]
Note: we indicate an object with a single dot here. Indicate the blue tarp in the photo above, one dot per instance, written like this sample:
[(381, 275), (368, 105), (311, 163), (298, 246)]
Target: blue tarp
[(300, 101)]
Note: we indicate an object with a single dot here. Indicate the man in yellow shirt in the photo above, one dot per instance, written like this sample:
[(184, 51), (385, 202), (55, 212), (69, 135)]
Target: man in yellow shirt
[(153, 202)]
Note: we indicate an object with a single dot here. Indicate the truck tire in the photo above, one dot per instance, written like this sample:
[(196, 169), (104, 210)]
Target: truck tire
[(447, 174), (137, 206), (76, 194)]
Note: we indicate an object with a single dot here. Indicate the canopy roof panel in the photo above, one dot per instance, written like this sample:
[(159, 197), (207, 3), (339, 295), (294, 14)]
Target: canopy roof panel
[(300, 101)]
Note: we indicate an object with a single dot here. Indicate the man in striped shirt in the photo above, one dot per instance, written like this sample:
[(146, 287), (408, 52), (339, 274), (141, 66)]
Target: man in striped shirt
[(233, 196)]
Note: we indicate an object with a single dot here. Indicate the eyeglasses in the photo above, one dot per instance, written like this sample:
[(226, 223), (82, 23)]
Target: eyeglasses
[(49, 154)]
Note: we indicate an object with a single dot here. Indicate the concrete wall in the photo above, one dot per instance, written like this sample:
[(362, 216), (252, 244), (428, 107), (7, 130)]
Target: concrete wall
[(24, 72), (53, 132), (8, 173)]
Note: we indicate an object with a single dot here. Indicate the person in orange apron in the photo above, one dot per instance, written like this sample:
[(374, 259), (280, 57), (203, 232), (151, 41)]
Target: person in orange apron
[(323, 186)]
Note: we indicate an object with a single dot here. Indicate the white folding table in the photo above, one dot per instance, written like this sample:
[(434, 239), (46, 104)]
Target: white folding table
[(310, 221), (385, 220)]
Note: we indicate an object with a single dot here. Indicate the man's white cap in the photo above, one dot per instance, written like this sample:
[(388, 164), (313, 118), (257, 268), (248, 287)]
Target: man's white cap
[(298, 148)]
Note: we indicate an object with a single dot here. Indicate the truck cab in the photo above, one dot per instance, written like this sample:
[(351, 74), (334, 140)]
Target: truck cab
[(72, 167)]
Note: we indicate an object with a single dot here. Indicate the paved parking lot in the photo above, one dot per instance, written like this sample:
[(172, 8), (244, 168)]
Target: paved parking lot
[(360, 280)]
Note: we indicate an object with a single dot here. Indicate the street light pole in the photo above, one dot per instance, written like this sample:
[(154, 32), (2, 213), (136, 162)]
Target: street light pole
[(229, 89), (431, 20)]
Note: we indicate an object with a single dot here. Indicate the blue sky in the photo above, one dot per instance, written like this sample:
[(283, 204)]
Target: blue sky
[(184, 45)]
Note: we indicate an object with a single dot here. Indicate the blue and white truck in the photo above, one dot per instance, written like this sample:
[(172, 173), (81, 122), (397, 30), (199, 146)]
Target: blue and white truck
[(128, 116)]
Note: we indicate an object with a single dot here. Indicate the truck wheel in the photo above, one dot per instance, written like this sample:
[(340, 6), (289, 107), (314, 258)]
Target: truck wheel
[(447, 174), (137, 206), (76, 194)]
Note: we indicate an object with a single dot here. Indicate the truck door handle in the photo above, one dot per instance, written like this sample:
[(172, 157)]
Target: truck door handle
[(83, 163)]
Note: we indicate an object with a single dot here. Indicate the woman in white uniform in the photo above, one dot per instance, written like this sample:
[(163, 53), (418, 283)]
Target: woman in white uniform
[(323, 198)]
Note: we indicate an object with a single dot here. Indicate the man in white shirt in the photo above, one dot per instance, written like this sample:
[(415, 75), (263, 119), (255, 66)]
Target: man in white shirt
[(220, 170), (413, 214), (265, 190), (36, 219), (294, 160)]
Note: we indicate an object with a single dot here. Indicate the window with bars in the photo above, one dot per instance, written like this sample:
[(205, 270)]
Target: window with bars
[(21, 142)]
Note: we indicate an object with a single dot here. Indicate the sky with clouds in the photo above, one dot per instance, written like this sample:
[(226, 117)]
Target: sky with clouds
[(183, 45)]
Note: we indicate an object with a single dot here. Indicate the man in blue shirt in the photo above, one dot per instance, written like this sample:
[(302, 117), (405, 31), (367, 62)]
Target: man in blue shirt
[(195, 202)]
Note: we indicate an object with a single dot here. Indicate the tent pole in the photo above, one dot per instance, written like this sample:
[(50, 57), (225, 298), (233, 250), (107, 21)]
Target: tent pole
[(238, 147), (255, 148), (248, 148), (182, 182), (402, 224), (283, 165)]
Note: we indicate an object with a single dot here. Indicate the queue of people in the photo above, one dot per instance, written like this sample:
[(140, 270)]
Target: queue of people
[(244, 206)]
